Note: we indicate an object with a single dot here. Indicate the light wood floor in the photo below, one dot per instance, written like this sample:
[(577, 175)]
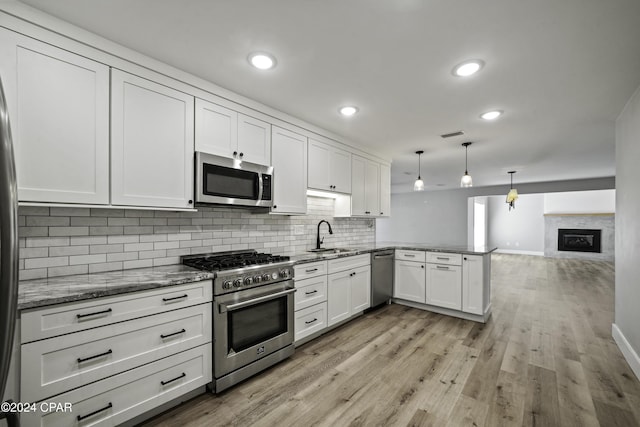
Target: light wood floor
[(545, 358)]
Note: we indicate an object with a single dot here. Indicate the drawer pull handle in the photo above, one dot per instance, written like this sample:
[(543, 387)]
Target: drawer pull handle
[(311, 292), (82, 417), (440, 267), (409, 255), (80, 316), (174, 379), (175, 298), (106, 353), (442, 257), (175, 333), (308, 322), (311, 270)]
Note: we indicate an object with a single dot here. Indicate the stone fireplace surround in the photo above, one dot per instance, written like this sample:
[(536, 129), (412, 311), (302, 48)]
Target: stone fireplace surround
[(604, 222)]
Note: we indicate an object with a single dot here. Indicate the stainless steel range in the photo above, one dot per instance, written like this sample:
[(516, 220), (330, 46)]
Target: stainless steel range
[(252, 312)]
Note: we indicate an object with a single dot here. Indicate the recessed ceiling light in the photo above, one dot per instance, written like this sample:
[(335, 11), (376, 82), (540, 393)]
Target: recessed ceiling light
[(348, 110), (262, 60), (491, 115), (468, 68)]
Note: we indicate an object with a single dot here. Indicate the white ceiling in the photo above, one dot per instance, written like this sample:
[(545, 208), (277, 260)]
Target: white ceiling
[(561, 70)]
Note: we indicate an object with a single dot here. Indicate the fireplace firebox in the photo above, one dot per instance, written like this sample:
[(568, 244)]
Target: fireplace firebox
[(579, 240)]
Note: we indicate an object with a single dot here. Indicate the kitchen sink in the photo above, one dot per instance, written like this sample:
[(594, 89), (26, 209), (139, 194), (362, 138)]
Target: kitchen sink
[(330, 251)]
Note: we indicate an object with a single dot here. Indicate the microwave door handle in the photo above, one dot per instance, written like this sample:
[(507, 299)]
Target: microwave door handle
[(231, 307), (260, 189)]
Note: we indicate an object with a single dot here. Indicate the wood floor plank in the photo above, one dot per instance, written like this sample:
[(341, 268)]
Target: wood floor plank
[(545, 357)]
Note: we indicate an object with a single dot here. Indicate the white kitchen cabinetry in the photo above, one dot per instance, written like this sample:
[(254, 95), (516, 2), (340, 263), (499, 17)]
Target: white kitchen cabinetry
[(329, 168), (151, 143), (385, 190), (289, 161), (117, 362), (444, 286), (227, 133), (476, 276), (348, 287), (310, 300), (409, 281), (59, 110)]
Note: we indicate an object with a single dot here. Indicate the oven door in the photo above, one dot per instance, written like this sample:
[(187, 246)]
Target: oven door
[(251, 324), (220, 180)]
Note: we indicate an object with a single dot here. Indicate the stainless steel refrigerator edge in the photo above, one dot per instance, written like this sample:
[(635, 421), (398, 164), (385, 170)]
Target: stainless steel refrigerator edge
[(381, 277), (8, 248)]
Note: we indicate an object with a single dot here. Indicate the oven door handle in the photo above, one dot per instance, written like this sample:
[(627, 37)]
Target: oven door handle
[(231, 307)]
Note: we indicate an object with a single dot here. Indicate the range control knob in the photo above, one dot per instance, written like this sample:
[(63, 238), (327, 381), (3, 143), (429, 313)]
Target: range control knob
[(274, 275), (237, 283), (257, 279), (226, 284), (266, 277), (248, 281), (284, 273)]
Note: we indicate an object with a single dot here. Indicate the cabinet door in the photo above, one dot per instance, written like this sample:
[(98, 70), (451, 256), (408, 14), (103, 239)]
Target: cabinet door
[(385, 190), (151, 143), (360, 289), (216, 129), (289, 161), (254, 140), (372, 188), (319, 158), (340, 170), (59, 112), (409, 281), (358, 185), (444, 286), (338, 297), (472, 284)]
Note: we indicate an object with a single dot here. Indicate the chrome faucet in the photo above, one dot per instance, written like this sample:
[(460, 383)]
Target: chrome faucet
[(318, 240)]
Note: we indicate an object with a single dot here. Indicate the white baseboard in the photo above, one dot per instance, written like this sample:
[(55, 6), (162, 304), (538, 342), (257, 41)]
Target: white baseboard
[(628, 352), (517, 252)]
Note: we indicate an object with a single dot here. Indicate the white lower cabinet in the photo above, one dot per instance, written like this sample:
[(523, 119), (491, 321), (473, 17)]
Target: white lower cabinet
[(339, 292), (444, 286), (114, 362), (121, 397), (310, 320), (409, 281), (348, 291), (475, 295)]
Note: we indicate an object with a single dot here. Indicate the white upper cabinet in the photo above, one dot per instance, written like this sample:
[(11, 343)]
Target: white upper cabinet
[(59, 111), (365, 187), (227, 133), (289, 161), (385, 190), (151, 143), (329, 168)]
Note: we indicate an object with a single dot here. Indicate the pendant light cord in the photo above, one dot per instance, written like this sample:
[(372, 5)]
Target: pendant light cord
[(466, 158), (419, 154)]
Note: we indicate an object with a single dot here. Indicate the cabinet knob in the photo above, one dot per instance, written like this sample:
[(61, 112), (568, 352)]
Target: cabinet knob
[(422, 266), (235, 153), (465, 258), (381, 213), (367, 212), (275, 207), (241, 154), (190, 202)]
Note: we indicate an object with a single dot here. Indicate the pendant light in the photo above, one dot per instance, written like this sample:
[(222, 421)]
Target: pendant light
[(466, 180), (512, 196), (419, 184)]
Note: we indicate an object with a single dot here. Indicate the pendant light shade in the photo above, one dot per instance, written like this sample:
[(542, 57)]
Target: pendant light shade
[(466, 180), (419, 184), (512, 196)]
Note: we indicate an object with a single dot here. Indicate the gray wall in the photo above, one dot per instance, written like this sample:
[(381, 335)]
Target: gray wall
[(627, 294), (518, 230), (433, 217)]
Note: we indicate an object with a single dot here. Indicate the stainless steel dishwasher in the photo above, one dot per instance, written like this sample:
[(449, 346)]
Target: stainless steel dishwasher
[(381, 277)]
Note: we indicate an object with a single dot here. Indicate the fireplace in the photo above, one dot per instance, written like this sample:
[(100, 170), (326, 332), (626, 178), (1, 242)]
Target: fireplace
[(579, 240)]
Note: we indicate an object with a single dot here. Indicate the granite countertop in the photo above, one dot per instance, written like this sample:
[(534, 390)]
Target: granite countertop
[(57, 290), (304, 257)]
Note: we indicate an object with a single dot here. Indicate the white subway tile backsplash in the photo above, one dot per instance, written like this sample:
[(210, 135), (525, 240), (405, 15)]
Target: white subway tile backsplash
[(122, 239)]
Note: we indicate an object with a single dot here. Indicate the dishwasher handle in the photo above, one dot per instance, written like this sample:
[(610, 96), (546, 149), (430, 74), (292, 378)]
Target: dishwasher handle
[(383, 256)]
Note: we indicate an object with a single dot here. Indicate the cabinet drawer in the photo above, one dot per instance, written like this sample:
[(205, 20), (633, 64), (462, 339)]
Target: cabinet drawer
[(417, 256), (347, 263), (310, 292), (310, 269), (310, 320), (130, 394), (444, 258), (66, 318), (59, 364)]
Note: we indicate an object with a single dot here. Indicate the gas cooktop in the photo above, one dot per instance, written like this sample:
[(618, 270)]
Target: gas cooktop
[(231, 260)]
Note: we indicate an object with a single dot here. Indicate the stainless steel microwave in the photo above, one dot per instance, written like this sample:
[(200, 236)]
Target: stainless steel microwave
[(225, 181)]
